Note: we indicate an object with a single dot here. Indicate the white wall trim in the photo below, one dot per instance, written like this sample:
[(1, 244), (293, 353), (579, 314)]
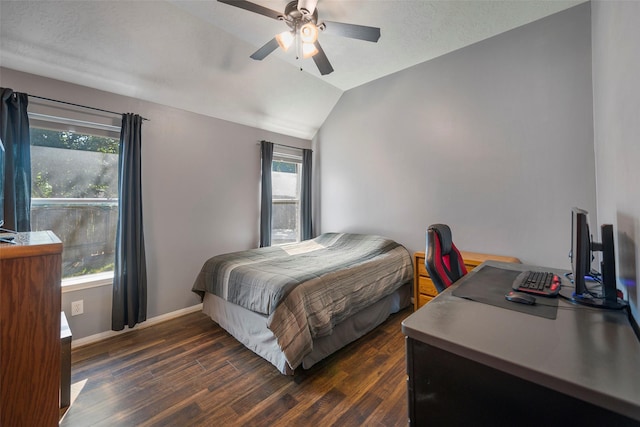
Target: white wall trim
[(149, 322)]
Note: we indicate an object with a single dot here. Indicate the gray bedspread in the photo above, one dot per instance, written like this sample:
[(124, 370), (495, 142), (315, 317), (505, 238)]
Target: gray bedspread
[(305, 289)]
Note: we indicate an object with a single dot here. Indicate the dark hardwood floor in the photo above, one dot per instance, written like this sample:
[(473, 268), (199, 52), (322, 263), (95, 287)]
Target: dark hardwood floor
[(188, 371)]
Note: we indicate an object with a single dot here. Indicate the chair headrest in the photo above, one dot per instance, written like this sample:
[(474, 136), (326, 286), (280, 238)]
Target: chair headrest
[(444, 233)]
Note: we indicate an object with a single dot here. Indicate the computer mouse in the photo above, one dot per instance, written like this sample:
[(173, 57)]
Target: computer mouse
[(520, 297)]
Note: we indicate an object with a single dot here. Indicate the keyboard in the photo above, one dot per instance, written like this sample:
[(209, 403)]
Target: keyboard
[(541, 283)]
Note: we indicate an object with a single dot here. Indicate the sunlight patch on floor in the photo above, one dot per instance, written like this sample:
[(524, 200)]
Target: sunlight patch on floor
[(76, 388)]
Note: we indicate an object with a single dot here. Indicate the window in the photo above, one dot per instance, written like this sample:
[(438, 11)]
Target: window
[(286, 179), (74, 192)]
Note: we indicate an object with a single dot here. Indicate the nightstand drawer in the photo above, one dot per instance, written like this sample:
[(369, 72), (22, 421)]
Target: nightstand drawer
[(422, 270), (426, 286), (423, 299)]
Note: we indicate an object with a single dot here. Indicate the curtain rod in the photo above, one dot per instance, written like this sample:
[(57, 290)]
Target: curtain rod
[(283, 145), (78, 105)]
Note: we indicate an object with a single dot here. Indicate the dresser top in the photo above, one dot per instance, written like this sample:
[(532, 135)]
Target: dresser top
[(33, 243)]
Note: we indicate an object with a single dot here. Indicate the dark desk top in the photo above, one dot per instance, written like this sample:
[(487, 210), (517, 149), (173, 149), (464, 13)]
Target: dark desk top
[(591, 354)]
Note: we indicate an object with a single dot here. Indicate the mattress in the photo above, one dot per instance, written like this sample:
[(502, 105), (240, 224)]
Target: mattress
[(303, 291)]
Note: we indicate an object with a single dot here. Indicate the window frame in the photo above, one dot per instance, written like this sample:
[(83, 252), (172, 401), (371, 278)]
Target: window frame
[(282, 153), (61, 119)]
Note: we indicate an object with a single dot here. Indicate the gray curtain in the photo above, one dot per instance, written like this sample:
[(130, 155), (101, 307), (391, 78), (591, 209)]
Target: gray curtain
[(130, 273), (305, 197), (266, 152), (15, 137)]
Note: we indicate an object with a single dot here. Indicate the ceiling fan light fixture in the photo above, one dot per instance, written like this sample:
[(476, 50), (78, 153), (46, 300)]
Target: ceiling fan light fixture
[(301, 16), (285, 40), (309, 33), (308, 50)]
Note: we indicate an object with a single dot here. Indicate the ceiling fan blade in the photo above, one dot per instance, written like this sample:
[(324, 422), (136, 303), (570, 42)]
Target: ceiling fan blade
[(265, 50), (362, 32), (307, 5), (321, 61), (252, 7)]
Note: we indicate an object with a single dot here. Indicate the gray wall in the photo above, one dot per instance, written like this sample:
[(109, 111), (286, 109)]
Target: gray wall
[(616, 68), (200, 180), (444, 141), (495, 139)]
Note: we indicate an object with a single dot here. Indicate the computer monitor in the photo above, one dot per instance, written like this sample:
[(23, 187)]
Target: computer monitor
[(580, 249), (1, 184), (603, 294)]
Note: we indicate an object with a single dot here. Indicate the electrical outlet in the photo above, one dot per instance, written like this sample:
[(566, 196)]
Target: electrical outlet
[(77, 307)]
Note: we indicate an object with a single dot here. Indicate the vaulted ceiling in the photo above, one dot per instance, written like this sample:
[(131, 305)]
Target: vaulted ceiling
[(194, 55)]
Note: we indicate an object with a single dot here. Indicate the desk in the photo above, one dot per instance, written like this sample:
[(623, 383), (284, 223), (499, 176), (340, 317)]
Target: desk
[(478, 364)]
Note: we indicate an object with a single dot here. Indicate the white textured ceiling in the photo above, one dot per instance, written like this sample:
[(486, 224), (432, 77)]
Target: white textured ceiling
[(194, 55)]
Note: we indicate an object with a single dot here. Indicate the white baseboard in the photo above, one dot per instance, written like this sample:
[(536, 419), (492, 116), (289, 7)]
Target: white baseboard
[(149, 322)]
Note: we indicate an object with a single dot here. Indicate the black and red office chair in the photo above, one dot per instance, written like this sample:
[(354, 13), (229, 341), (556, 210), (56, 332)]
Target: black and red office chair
[(443, 261)]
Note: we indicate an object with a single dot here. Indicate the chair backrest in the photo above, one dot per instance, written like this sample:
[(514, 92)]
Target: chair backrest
[(443, 260)]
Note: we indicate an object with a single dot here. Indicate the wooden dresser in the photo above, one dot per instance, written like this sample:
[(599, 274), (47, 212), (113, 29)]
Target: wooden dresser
[(423, 288), (30, 275)]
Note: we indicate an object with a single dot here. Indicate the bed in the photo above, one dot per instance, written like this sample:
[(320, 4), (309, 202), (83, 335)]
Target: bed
[(296, 304)]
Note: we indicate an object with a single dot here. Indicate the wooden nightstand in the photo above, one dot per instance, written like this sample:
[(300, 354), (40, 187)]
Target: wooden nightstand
[(423, 288)]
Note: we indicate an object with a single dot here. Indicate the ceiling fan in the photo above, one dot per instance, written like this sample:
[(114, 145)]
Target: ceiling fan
[(301, 16)]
